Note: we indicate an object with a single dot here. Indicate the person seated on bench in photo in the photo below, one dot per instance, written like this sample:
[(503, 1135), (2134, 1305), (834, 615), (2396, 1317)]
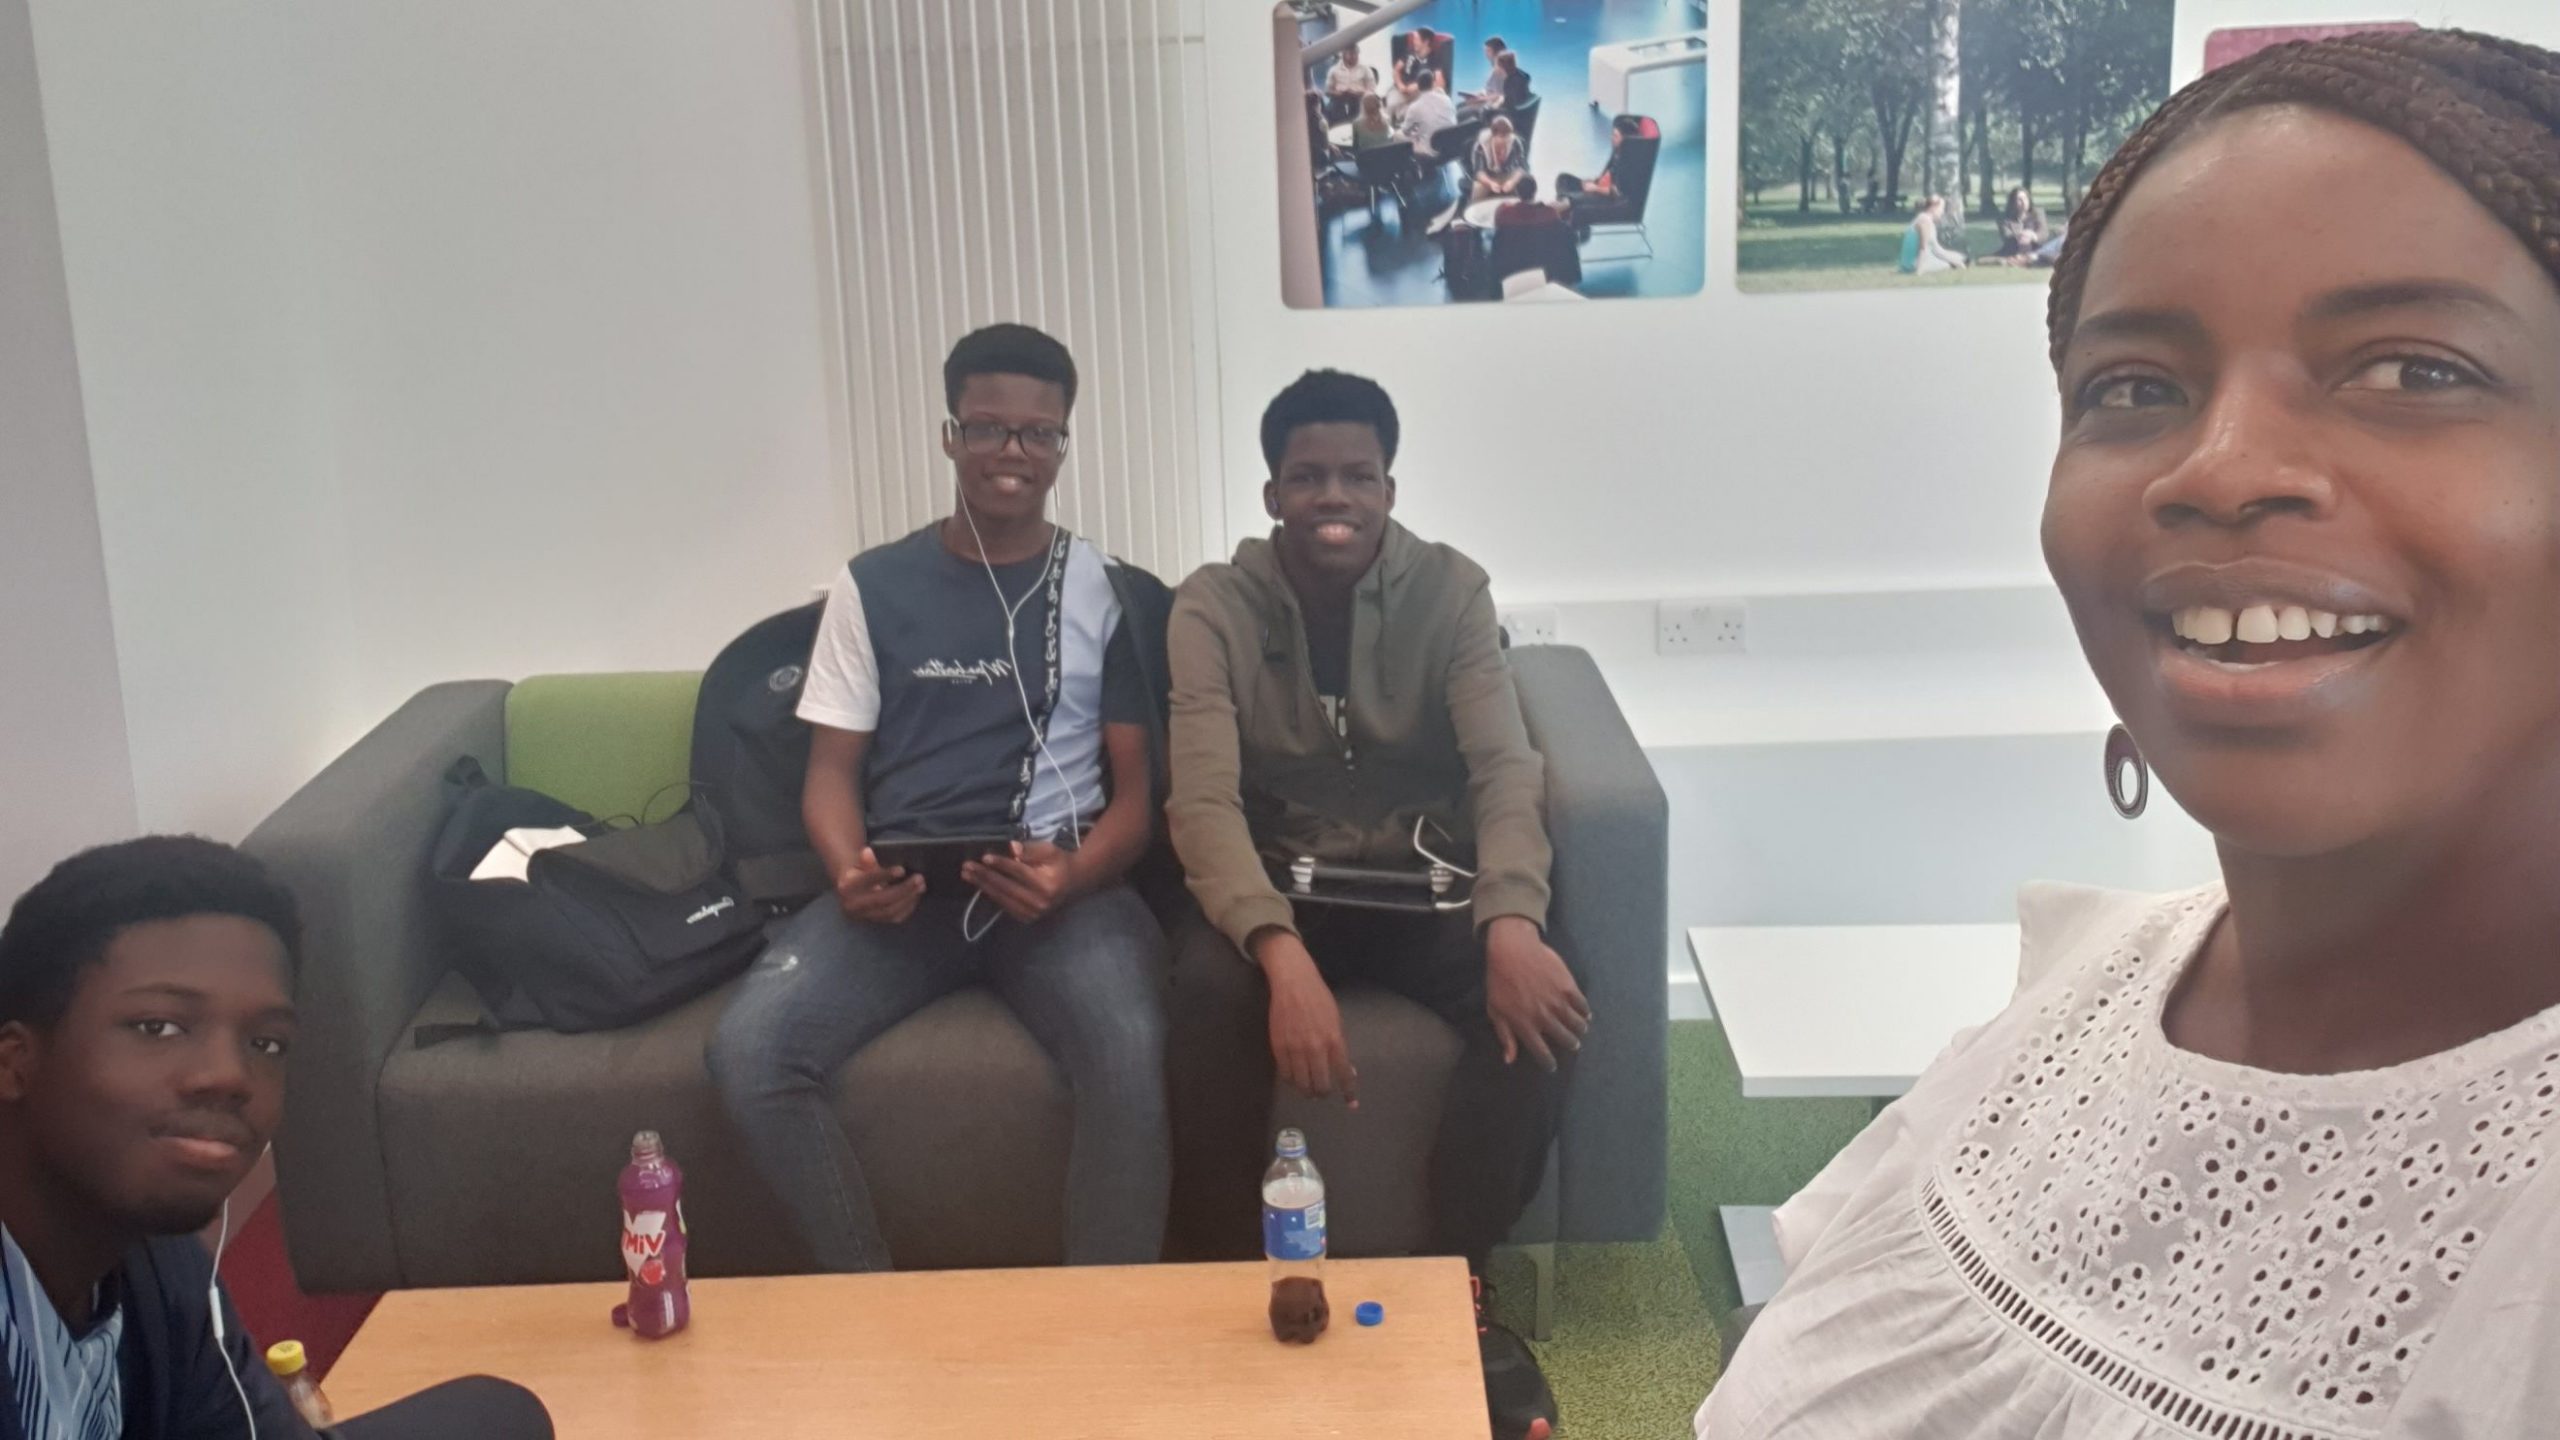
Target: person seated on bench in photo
[(1583, 198), (1347, 84), (146, 1020), (1509, 87), (1372, 129), (1491, 91), (1526, 211), (1413, 72), (1340, 696), (1500, 163), (1429, 113), (982, 680)]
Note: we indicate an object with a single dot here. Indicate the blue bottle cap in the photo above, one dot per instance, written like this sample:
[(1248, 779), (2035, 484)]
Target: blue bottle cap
[(1370, 1312)]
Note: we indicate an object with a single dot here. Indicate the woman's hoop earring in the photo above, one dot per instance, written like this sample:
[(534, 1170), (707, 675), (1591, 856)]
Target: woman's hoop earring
[(2124, 755)]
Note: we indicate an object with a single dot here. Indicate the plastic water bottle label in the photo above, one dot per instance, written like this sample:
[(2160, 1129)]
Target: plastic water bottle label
[(1293, 1234)]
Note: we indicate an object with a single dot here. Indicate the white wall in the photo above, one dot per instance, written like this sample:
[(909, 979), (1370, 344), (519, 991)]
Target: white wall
[(423, 342), (186, 246), (64, 767)]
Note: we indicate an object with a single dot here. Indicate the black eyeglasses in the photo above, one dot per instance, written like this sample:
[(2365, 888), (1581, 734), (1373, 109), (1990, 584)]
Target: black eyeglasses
[(987, 437)]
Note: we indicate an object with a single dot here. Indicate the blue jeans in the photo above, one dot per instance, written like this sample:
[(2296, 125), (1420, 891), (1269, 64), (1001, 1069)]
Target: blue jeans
[(1086, 982)]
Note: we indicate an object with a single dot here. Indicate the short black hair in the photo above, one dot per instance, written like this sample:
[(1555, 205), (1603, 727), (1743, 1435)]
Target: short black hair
[(65, 924), (1494, 42), (1327, 397), (1528, 189), (1008, 350)]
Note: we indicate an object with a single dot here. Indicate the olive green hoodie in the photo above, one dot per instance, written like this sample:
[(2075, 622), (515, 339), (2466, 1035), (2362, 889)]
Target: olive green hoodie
[(1435, 731)]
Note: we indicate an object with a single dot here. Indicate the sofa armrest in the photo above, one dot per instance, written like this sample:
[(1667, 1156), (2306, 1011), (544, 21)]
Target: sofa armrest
[(353, 846), (1611, 827)]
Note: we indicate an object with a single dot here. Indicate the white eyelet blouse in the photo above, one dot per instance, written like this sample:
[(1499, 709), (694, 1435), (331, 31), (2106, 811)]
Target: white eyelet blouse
[(2071, 1228)]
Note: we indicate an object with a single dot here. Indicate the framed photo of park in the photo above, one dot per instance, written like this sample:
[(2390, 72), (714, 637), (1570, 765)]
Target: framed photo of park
[(1924, 143)]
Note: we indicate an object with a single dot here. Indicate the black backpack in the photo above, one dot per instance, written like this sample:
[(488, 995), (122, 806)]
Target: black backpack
[(751, 753), (627, 924)]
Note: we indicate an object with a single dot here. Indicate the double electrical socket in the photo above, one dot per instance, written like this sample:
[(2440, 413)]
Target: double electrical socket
[(1701, 627)]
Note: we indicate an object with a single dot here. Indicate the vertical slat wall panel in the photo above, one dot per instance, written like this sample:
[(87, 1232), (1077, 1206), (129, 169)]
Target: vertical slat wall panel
[(1023, 160)]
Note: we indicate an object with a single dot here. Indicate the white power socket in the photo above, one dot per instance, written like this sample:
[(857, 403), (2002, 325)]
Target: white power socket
[(1530, 624), (1701, 627)]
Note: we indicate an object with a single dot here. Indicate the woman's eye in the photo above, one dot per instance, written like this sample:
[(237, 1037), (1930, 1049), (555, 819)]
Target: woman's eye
[(2419, 373), (2129, 392), (271, 1048), (157, 1029)]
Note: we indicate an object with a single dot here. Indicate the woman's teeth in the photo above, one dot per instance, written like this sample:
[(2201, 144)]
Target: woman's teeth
[(2270, 624)]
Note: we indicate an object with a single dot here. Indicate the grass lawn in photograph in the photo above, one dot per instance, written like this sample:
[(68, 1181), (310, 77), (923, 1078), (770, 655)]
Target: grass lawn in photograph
[(1779, 248)]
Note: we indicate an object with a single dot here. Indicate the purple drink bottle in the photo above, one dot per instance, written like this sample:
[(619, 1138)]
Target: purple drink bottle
[(653, 1241)]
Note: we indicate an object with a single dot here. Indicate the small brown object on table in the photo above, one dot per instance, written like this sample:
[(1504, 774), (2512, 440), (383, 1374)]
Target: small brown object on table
[(1183, 1352)]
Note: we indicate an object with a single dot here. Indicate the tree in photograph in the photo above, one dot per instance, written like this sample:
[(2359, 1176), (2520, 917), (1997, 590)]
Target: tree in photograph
[(1887, 45), (1786, 96), (1946, 111)]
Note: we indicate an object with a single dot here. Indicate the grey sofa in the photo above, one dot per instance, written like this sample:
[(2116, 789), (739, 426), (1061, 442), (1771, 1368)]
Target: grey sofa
[(491, 1159)]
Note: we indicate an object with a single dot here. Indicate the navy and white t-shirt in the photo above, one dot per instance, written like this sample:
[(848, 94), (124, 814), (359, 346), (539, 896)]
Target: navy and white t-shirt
[(912, 650)]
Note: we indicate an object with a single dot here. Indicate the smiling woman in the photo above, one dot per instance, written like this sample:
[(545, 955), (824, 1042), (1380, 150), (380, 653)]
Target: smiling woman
[(2268, 1158)]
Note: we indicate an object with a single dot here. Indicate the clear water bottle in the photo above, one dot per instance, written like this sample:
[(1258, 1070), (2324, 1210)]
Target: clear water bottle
[(1293, 1240)]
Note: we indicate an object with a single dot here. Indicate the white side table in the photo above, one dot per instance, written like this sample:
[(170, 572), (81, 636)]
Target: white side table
[(1840, 1011), (1613, 66)]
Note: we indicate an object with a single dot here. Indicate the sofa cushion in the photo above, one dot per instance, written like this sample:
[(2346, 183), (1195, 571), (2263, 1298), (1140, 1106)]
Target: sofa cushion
[(1376, 1160), (608, 744), (502, 1150)]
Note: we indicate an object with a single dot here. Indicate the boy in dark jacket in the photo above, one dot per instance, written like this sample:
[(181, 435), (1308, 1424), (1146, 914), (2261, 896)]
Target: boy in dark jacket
[(146, 1008), (1340, 693)]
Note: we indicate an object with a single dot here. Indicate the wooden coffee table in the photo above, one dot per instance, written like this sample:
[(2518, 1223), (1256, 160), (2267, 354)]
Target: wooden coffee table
[(1159, 1350)]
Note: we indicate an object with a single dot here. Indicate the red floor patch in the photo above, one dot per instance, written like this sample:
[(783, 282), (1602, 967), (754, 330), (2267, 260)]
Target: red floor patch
[(260, 1279)]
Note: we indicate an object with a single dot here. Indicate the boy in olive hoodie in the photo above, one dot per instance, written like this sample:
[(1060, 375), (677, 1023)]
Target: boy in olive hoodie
[(1332, 687)]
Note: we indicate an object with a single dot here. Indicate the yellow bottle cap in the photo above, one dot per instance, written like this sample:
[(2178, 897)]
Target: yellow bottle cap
[(285, 1358)]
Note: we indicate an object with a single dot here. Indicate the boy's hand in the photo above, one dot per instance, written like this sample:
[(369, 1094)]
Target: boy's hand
[(1028, 883), (1530, 995), (880, 896)]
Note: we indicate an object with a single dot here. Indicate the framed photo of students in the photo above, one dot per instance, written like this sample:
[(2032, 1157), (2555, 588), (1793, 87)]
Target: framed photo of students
[(1490, 151)]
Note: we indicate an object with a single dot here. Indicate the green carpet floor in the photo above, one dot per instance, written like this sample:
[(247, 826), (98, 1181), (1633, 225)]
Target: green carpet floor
[(1635, 1344)]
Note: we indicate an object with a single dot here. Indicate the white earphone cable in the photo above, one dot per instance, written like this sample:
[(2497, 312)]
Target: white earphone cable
[(1022, 692), (221, 1346)]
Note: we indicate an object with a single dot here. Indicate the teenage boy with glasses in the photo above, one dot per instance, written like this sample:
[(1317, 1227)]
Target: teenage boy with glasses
[(990, 675)]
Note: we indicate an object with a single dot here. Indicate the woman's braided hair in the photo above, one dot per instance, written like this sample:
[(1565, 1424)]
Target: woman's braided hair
[(2484, 109)]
